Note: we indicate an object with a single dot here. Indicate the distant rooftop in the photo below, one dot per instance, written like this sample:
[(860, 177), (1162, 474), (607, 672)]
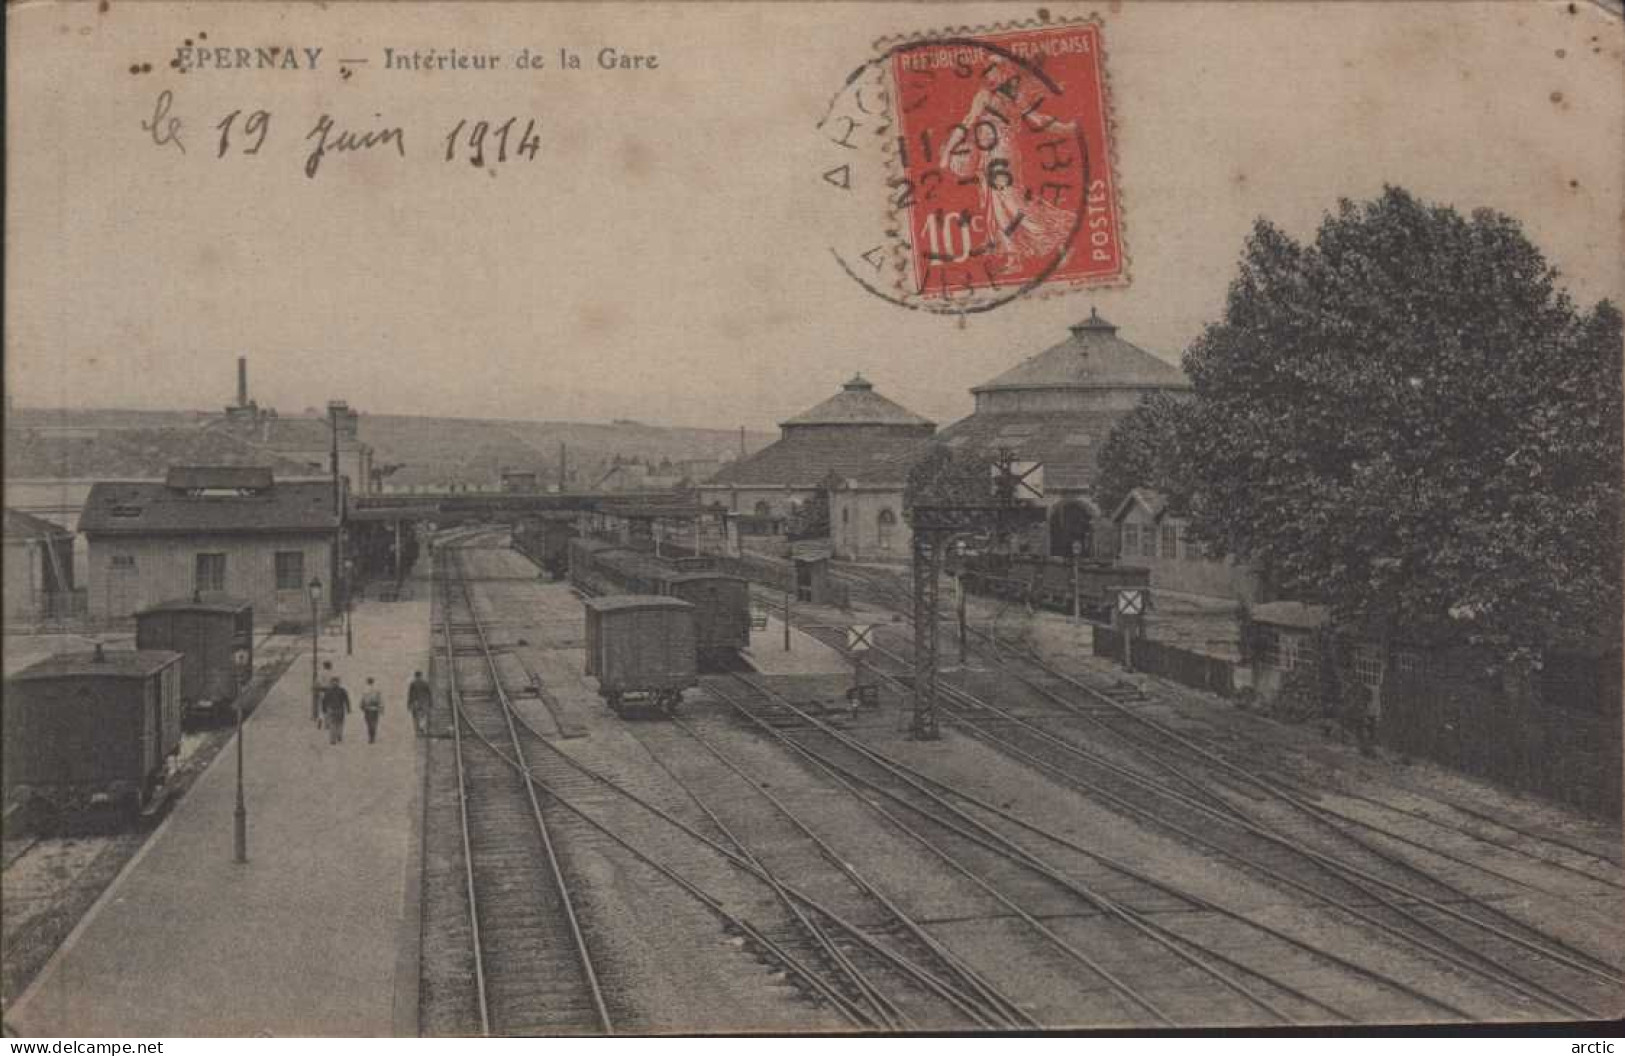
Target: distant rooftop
[(145, 507), (1094, 357), (858, 404)]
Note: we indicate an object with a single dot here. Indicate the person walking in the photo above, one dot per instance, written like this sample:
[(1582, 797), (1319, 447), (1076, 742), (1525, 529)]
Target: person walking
[(372, 708), (335, 706), (419, 697), (319, 691)]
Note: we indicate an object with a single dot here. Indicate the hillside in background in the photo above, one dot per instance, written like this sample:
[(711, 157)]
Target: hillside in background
[(73, 442)]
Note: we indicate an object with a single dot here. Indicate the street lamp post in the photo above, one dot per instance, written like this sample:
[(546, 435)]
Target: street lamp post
[(349, 591), (239, 817), (315, 646)]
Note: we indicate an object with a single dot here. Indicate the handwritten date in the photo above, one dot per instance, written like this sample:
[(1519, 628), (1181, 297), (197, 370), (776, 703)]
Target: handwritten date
[(478, 142)]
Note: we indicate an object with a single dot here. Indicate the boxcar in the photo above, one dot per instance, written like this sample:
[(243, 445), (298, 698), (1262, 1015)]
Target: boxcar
[(89, 735), (641, 649), (217, 639), (546, 541), (721, 611), (722, 622)]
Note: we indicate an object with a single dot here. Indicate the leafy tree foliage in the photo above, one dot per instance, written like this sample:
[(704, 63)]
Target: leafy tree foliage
[(1143, 451), (810, 519), (1410, 420)]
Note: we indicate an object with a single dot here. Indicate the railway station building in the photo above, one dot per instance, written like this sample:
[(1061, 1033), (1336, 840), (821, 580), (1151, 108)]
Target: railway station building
[(211, 532), (1055, 408), (838, 439)]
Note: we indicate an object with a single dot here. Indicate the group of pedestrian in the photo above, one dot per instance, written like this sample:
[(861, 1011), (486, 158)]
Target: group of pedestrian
[(331, 705)]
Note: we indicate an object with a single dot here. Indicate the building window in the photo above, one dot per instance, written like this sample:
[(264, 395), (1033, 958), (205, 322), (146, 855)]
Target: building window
[(1170, 542), (1148, 541), (124, 562), (1283, 650), (211, 572), (1368, 666), (885, 525), (1191, 550), (846, 514), (290, 570), (1131, 540)]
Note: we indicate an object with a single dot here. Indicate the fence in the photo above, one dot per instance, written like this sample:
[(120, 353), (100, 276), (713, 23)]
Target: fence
[(1169, 661), (1557, 736)]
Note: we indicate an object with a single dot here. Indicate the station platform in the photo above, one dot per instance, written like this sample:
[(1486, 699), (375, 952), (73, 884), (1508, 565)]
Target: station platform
[(806, 655), (316, 935)]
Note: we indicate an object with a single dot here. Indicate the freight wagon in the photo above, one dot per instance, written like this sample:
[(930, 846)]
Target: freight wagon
[(217, 640), (1047, 582), (641, 648), (546, 541), (89, 736), (722, 622)]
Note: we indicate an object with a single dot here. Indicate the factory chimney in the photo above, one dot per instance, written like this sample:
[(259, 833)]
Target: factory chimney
[(242, 381)]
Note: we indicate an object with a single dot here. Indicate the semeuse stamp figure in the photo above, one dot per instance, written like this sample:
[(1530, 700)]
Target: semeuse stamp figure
[(994, 149)]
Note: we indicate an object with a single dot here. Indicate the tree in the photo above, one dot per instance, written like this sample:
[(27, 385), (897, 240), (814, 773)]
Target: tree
[(1409, 420), (1143, 451), (810, 519)]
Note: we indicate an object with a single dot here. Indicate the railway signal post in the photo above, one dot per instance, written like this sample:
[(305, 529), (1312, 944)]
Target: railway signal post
[(949, 496)]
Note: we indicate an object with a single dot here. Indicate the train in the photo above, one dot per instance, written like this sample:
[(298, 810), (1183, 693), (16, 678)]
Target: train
[(546, 541), (216, 640), (89, 737), (642, 649), (1047, 582), (721, 602)]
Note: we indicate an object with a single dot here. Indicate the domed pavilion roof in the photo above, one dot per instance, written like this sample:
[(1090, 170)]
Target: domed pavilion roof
[(858, 404), (1094, 357)]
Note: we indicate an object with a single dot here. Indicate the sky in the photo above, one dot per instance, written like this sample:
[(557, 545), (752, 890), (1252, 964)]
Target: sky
[(665, 255)]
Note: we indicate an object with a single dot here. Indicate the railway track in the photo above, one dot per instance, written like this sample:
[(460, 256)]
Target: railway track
[(1160, 776), (909, 980), (847, 964), (940, 816), (533, 972)]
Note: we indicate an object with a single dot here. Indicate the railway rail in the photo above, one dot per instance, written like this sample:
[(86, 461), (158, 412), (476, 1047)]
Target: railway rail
[(533, 972), (841, 961), (1162, 777)]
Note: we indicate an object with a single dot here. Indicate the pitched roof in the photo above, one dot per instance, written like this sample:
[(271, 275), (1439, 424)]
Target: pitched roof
[(146, 508), (103, 663), (805, 457), (1154, 502), (25, 525), (1067, 443), (1094, 357), (858, 404)]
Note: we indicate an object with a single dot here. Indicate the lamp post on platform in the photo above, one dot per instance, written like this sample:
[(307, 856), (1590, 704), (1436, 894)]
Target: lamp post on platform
[(349, 592), (239, 816), (315, 591)]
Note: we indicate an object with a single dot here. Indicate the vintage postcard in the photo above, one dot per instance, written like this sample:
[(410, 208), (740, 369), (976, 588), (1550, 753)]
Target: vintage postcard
[(811, 518)]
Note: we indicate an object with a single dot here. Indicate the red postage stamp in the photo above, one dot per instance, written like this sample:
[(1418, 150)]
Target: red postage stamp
[(1005, 161), (995, 152)]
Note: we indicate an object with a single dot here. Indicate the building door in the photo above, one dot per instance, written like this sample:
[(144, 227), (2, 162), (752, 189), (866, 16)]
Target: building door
[(123, 587), (1069, 522)]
